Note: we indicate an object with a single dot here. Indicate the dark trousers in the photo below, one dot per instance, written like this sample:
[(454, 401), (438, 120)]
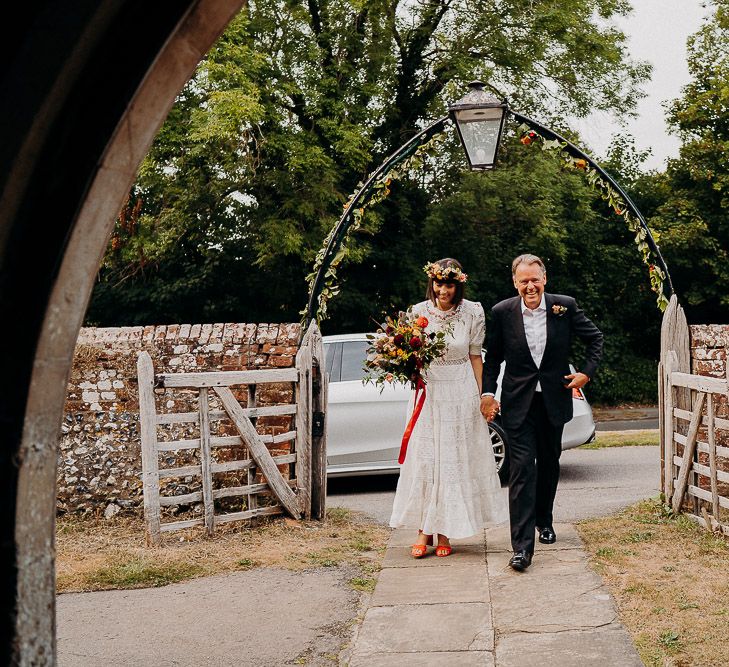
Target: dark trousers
[(534, 450)]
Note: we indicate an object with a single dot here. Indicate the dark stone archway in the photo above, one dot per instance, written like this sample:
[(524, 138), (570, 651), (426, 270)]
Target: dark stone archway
[(86, 84)]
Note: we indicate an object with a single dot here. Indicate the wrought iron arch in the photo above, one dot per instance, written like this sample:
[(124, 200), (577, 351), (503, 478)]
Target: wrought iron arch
[(337, 236)]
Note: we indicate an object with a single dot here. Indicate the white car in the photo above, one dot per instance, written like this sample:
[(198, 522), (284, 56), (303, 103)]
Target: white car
[(365, 426)]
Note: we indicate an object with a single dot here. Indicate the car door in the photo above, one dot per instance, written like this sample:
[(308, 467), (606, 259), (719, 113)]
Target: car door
[(365, 426)]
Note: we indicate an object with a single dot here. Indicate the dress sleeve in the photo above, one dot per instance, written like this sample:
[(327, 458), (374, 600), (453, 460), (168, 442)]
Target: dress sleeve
[(478, 329)]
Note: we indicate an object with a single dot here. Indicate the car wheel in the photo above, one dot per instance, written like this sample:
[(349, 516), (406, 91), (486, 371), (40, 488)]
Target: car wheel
[(498, 443)]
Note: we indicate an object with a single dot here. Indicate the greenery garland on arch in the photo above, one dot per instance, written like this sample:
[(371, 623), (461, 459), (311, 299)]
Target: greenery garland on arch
[(378, 191), (411, 156), (529, 137)]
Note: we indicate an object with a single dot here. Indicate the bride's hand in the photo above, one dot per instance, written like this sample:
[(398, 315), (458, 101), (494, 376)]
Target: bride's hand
[(489, 407)]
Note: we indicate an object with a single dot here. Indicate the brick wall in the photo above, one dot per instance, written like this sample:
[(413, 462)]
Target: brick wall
[(708, 349), (99, 463), (709, 343)]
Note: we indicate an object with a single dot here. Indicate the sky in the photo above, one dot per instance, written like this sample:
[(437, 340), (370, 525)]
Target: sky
[(657, 31)]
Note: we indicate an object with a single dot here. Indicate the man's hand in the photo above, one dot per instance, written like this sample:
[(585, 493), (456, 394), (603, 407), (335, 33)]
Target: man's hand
[(577, 381), (489, 407)]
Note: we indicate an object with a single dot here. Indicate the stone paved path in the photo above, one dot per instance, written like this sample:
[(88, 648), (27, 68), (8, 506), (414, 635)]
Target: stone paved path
[(472, 609)]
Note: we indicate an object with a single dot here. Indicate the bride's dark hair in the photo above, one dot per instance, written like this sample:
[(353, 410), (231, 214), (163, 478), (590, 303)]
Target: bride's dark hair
[(460, 287)]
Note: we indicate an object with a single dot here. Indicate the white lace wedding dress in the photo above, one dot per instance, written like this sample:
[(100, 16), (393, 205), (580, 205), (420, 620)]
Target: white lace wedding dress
[(448, 483)]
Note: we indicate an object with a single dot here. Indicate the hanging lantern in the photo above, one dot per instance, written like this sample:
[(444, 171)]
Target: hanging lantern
[(479, 119)]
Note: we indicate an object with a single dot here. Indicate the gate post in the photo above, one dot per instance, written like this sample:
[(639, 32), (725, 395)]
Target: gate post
[(148, 432), (303, 424), (319, 431)]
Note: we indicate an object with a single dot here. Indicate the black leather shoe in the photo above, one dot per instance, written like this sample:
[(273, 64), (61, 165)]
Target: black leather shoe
[(520, 561), (547, 535)]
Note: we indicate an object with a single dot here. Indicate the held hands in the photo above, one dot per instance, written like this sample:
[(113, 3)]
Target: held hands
[(489, 407), (576, 381)]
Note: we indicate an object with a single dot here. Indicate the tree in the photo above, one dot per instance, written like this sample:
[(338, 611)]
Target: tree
[(294, 105), (690, 202)]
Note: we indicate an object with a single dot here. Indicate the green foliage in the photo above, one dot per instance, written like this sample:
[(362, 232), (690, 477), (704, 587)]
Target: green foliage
[(690, 202), (353, 217), (647, 438), (364, 584), (670, 639), (140, 573)]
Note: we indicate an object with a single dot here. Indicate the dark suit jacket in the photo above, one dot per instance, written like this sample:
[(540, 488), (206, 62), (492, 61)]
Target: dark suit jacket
[(507, 342)]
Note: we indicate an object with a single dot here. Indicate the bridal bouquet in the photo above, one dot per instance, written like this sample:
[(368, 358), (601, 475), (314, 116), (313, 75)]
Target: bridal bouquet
[(401, 350)]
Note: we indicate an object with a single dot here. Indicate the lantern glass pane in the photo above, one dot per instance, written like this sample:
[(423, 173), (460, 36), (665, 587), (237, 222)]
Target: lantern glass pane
[(480, 133)]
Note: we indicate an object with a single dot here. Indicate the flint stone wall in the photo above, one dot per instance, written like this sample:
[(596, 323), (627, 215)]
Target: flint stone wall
[(99, 462)]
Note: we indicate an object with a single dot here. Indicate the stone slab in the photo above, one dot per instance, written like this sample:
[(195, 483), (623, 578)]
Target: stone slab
[(608, 647), (546, 563), (469, 554), (425, 628), (499, 539), (431, 585), (553, 595), (434, 659)]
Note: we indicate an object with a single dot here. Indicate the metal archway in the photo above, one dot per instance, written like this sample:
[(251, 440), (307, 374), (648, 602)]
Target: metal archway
[(363, 195)]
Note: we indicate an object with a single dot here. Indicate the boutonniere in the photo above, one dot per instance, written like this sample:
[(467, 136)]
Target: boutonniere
[(559, 309)]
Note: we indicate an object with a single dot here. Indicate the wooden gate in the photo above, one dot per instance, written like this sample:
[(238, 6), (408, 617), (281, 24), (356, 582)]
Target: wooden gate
[(693, 464), (293, 482)]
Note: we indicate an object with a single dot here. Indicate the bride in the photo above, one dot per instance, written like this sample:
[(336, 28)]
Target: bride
[(448, 483)]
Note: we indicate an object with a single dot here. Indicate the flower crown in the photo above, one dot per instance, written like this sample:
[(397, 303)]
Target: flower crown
[(445, 274)]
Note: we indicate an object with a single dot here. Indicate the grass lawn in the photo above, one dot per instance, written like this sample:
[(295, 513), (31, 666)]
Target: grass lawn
[(670, 580), (98, 554), (623, 439)]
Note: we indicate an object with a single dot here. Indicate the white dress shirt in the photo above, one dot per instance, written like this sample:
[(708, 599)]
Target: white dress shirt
[(535, 328)]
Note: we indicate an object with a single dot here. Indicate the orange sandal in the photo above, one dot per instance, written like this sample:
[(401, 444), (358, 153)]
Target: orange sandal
[(419, 550), (443, 550)]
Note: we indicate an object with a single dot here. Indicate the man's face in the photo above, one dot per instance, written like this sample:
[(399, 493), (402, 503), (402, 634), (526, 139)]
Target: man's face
[(529, 281)]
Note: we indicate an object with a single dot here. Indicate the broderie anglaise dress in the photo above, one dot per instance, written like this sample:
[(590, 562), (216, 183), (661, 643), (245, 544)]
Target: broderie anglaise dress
[(448, 483)]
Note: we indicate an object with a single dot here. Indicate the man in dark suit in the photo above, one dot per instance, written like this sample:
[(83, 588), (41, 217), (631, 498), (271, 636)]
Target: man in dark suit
[(533, 333)]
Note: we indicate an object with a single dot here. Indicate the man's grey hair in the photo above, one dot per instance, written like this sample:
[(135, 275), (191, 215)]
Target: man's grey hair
[(527, 259)]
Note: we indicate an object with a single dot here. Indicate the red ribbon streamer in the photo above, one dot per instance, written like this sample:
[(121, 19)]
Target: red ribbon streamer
[(418, 406)]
